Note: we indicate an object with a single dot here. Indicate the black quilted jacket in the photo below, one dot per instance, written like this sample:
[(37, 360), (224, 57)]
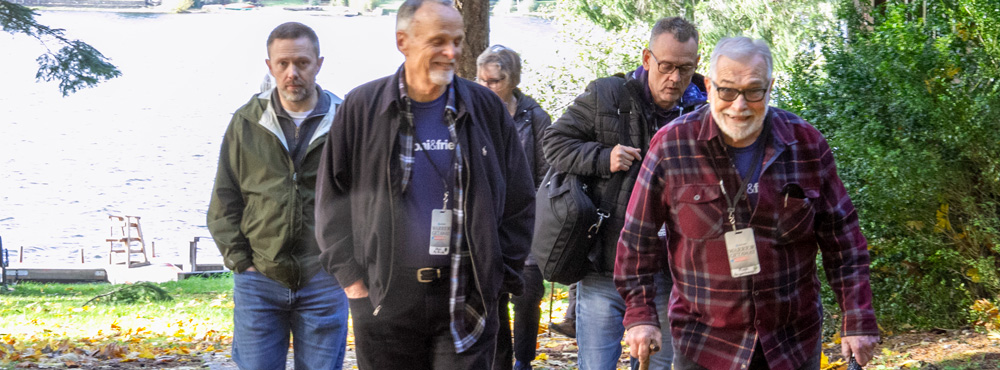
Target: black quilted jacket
[(580, 142)]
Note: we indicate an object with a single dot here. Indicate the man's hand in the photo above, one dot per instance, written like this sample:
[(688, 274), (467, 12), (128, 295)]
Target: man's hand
[(863, 348), (638, 339), (356, 290), (251, 268), (622, 157)]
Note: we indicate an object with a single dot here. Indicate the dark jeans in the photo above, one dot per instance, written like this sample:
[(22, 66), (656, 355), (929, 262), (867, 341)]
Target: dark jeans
[(758, 362), (527, 313), (412, 330)]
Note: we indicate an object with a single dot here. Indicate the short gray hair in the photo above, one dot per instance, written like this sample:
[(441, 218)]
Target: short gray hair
[(292, 31), (404, 15), (741, 49), (677, 26), (508, 60)]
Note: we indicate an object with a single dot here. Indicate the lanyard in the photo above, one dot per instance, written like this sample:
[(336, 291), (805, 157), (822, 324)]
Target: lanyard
[(758, 156), (423, 149)]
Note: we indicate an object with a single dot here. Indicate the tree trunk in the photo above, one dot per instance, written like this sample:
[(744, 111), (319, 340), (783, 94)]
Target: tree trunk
[(476, 14)]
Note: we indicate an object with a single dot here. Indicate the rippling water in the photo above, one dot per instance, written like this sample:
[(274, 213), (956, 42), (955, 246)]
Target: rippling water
[(147, 143)]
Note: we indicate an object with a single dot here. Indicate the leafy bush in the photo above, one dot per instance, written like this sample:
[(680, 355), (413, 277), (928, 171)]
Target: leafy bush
[(909, 102)]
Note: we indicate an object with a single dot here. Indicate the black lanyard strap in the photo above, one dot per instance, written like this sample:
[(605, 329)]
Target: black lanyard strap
[(423, 149), (758, 157)]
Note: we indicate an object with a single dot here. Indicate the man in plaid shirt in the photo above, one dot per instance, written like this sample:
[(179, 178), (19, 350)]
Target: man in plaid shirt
[(747, 195)]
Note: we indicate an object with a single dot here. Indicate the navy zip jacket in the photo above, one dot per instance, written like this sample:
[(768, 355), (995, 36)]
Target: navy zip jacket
[(358, 200)]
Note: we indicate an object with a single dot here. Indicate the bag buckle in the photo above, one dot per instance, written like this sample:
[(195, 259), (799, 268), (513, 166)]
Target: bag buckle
[(601, 216), (428, 274)]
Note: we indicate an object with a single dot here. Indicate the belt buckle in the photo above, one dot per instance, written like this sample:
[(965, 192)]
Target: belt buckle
[(433, 273)]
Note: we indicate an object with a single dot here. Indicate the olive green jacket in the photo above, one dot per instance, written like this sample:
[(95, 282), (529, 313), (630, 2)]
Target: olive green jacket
[(261, 212)]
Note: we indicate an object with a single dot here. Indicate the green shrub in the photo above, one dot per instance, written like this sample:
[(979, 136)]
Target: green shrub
[(910, 105)]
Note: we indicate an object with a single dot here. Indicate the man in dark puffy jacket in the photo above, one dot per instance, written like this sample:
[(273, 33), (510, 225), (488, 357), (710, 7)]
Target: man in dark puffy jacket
[(587, 140), (261, 215)]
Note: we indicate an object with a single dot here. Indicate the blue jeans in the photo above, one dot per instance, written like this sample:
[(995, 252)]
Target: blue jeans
[(266, 312), (599, 329)]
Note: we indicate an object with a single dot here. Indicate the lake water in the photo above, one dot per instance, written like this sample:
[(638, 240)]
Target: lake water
[(147, 142)]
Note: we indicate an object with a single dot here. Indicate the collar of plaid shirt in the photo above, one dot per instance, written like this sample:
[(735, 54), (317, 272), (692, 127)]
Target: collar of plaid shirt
[(467, 324)]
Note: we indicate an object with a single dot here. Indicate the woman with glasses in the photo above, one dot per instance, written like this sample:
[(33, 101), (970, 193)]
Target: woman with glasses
[(499, 69)]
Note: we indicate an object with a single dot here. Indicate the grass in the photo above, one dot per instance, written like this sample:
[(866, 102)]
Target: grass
[(38, 319), (42, 323)]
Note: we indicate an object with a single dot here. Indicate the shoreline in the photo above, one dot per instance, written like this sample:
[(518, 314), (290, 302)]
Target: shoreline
[(217, 8)]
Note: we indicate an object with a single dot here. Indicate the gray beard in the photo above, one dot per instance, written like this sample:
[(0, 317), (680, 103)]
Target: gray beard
[(296, 96), (442, 78)]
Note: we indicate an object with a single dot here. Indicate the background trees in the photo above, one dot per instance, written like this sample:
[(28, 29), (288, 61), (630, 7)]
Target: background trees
[(75, 65)]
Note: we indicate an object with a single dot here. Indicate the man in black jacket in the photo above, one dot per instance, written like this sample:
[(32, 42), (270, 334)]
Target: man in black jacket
[(587, 140), (424, 206)]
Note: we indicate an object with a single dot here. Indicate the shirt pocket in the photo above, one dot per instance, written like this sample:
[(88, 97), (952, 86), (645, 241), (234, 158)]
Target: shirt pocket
[(699, 211), (796, 213)]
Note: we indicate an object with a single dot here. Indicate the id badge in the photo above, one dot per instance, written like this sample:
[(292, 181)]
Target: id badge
[(440, 232), (742, 250)]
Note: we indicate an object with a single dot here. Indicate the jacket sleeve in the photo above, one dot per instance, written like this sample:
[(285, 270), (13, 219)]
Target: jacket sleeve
[(571, 144), (333, 206), (518, 220), (844, 250), (640, 247), (540, 121), (225, 210)]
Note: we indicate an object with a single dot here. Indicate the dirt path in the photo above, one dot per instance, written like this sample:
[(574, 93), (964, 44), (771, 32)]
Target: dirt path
[(961, 349)]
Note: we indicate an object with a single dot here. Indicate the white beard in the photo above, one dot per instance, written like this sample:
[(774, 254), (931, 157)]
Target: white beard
[(737, 133), (442, 78)]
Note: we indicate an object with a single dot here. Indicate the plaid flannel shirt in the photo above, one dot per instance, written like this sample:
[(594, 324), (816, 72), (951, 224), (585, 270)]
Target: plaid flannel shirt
[(716, 319), (467, 324)]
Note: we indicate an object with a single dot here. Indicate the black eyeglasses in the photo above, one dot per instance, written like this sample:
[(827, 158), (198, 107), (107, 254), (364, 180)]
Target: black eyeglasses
[(730, 94), (668, 68)]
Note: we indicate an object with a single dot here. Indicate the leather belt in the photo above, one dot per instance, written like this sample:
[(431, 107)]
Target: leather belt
[(431, 274)]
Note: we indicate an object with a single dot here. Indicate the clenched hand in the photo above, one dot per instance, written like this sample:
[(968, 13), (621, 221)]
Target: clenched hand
[(623, 157)]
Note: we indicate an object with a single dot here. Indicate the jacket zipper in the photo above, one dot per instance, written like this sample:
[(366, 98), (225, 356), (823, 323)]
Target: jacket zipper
[(392, 231), (297, 271), (465, 227)]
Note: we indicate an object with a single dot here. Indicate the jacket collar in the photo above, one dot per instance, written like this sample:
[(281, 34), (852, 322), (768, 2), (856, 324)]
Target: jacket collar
[(326, 105), (524, 102), (395, 92)]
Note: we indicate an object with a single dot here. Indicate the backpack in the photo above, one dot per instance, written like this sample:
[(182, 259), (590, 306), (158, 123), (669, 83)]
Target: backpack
[(567, 222)]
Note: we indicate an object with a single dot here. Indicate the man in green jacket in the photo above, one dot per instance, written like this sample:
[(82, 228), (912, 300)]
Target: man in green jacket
[(261, 215)]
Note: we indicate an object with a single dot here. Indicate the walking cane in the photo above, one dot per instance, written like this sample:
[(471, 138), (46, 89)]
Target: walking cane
[(653, 348), (552, 297)]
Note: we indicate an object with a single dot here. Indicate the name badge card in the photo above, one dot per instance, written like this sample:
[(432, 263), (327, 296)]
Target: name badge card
[(440, 232), (742, 250)]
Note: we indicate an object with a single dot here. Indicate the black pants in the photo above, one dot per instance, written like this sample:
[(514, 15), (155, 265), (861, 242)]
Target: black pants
[(527, 313), (412, 330)]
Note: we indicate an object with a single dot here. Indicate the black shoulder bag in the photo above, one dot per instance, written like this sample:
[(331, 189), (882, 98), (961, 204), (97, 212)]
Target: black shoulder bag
[(567, 222)]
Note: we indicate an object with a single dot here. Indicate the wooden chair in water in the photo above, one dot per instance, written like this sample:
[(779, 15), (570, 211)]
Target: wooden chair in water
[(126, 238)]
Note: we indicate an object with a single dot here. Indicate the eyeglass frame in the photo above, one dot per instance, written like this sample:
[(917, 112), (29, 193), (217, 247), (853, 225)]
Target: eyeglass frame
[(491, 82), (673, 67), (763, 92)]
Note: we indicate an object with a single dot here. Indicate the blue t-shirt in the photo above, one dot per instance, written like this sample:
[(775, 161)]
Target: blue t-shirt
[(743, 159), (432, 169)]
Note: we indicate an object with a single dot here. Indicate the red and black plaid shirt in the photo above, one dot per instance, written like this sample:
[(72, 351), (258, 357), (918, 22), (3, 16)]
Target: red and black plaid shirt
[(716, 319)]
